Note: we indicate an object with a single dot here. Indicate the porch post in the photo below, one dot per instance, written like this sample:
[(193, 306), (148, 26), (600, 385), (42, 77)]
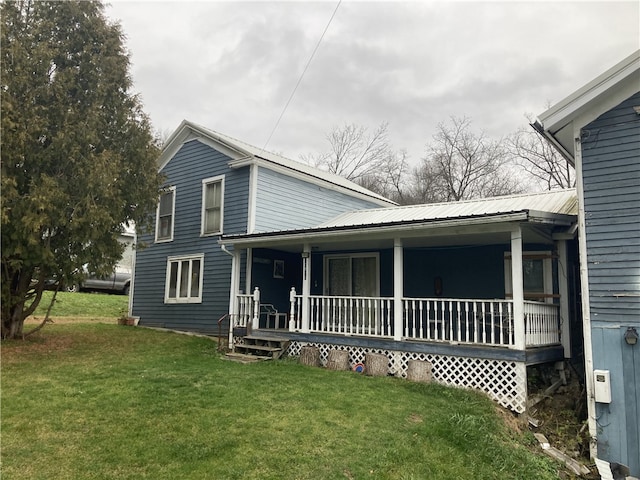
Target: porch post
[(517, 288), (255, 323), (563, 290), (306, 286), (233, 292), (398, 288)]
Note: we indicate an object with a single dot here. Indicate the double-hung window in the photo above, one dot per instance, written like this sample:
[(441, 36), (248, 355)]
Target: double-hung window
[(537, 276), (184, 279), (212, 205), (165, 215)]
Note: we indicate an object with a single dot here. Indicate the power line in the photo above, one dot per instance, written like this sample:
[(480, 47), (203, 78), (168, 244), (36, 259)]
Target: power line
[(301, 76)]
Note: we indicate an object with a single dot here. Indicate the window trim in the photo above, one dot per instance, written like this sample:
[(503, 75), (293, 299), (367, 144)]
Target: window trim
[(179, 259), (205, 182), (547, 273), (171, 189)]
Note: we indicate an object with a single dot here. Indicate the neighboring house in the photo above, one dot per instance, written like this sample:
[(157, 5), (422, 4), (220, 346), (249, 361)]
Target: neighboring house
[(217, 185), (597, 129), (480, 289)]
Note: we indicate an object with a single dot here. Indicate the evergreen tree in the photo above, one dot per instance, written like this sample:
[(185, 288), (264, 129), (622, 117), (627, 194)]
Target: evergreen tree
[(78, 156)]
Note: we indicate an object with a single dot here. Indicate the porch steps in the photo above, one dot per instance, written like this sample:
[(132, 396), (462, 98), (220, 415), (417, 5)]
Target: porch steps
[(260, 348)]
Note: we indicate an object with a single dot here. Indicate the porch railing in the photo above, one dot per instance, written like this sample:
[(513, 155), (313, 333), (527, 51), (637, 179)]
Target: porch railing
[(465, 321), (542, 323), (370, 316), (486, 322)]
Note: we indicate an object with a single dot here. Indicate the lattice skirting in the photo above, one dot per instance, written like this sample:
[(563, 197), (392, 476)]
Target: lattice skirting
[(504, 381)]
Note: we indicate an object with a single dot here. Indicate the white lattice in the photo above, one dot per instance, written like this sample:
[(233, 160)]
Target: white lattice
[(504, 381)]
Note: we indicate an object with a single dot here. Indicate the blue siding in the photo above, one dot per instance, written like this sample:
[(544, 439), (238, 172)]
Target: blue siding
[(611, 181), (192, 163), (287, 203)]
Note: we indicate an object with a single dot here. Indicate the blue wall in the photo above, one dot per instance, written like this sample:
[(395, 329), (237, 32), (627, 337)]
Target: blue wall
[(192, 163), (611, 179), (288, 203)]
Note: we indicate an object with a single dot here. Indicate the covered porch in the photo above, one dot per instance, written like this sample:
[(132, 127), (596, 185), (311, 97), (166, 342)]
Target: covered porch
[(481, 289)]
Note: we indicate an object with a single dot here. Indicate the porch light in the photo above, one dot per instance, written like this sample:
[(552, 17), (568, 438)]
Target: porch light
[(631, 336)]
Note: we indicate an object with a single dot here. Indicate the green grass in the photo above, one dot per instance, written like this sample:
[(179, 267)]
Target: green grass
[(83, 304), (102, 401)]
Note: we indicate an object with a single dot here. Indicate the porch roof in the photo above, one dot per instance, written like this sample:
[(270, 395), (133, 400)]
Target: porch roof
[(554, 208)]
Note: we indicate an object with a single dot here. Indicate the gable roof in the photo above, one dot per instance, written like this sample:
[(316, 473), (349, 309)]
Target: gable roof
[(243, 154), (556, 207), (561, 122)]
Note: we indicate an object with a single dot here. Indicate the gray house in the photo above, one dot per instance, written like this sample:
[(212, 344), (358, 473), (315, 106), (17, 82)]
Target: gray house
[(217, 185), (597, 129)]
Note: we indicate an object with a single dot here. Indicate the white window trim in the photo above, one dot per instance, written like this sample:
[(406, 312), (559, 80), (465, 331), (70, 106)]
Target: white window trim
[(173, 216), (350, 256), (205, 182), (180, 259), (547, 272)]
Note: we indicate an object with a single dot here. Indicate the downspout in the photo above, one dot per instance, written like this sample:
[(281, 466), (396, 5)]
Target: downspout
[(586, 304), (233, 288)]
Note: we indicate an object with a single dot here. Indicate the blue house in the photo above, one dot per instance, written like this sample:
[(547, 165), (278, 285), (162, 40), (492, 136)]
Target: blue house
[(597, 128), (481, 290), (217, 185)]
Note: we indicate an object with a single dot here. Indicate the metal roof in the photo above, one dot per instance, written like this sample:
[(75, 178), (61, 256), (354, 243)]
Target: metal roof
[(558, 202), (243, 153)]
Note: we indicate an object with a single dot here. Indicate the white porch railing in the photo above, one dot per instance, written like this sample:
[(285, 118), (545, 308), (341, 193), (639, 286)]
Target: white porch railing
[(486, 322), (370, 316), (542, 323), (464, 321)]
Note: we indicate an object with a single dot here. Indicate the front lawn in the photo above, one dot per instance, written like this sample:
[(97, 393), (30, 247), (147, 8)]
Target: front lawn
[(95, 400), (83, 305)]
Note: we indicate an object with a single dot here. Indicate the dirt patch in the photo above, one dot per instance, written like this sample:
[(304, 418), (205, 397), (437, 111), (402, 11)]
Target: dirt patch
[(561, 416)]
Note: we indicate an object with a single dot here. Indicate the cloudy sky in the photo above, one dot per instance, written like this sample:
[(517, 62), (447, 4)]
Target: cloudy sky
[(232, 66)]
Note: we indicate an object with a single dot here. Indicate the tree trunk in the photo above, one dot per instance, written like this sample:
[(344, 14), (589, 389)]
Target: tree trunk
[(338, 360), (377, 364), (310, 356), (419, 371)]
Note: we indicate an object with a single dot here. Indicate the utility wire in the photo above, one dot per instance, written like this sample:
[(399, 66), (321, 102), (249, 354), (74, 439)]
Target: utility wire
[(301, 76)]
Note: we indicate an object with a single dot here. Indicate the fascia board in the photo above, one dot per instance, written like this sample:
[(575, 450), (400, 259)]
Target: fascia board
[(562, 122), (188, 131), (260, 162), (564, 111), (484, 224)]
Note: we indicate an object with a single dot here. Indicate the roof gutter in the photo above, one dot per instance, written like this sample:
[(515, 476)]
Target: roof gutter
[(538, 127)]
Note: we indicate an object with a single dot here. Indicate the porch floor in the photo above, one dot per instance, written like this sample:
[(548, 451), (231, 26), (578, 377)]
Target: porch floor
[(530, 356)]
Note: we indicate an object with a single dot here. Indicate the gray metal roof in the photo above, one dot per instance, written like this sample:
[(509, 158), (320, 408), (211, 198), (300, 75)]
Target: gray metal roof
[(245, 152), (558, 202)]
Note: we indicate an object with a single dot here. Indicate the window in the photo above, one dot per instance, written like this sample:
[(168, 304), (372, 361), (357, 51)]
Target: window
[(212, 203), (536, 276), (165, 214), (352, 275), (184, 279)]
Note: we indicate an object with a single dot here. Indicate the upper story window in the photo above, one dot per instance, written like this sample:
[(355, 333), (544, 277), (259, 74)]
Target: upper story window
[(165, 215), (212, 205), (184, 279)]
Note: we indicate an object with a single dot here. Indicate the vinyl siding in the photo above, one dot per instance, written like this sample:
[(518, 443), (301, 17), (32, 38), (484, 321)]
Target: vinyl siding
[(286, 203), (611, 182), (611, 176), (193, 162)]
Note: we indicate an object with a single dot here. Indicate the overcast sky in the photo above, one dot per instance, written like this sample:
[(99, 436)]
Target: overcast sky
[(231, 66)]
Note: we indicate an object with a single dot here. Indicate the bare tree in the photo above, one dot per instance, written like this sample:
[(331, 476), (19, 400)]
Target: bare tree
[(389, 177), (540, 159), (353, 152), (462, 165)]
